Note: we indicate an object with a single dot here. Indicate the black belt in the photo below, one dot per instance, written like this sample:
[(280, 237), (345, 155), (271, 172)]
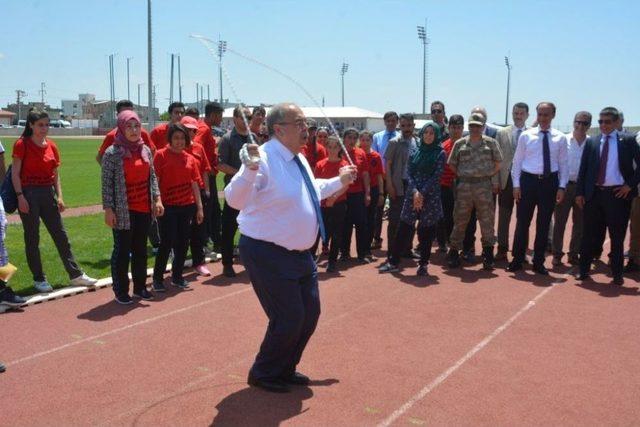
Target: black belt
[(572, 182), (540, 176), (608, 187)]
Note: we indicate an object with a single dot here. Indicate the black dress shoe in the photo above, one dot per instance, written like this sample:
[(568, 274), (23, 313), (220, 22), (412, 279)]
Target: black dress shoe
[(273, 385), (228, 271), (514, 266), (540, 269), (618, 281), (582, 276), (296, 379)]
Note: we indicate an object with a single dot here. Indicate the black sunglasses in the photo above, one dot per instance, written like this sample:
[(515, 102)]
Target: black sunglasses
[(437, 111), (606, 121), (583, 123)]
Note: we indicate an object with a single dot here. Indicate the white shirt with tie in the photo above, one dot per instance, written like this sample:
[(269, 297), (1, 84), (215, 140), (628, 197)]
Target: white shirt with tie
[(274, 203), (529, 155), (612, 176)]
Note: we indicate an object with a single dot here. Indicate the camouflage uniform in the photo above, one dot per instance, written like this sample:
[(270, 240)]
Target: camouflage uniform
[(475, 165)]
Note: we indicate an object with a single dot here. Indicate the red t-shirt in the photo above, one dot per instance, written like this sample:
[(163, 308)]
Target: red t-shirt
[(205, 138), (447, 177), (375, 167), (136, 177), (359, 158), (308, 152), (198, 153), (326, 169), (159, 136), (176, 172), (110, 137), (39, 164)]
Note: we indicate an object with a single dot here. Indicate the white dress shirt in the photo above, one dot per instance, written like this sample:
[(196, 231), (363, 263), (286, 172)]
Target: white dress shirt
[(612, 175), (575, 156), (528, 155), (274, 203)]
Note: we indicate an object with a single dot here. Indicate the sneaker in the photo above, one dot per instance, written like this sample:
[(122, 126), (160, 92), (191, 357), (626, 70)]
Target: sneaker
[(367, 259), (182, 284), (453, 259), (124, 299), (8, 298), (345, 258), (387, 267), (331, 267), (143, 294), (43, 286), (422, 270), (469, 256), (202, 270), (158, 286), (84, 280), (228, 271)]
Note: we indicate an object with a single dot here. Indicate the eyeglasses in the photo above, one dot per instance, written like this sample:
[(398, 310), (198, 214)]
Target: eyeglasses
[(581, 122), (437, 111), (605, 121), (300, 123)]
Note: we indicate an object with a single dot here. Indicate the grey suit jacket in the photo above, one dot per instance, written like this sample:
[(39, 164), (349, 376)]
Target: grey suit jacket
[(504, 138)]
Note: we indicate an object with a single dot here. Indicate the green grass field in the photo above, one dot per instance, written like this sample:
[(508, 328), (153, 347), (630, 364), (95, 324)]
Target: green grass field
[(79, 171)]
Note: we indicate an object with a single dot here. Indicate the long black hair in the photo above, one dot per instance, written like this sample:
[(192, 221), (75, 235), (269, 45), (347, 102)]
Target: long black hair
[(34, 115)]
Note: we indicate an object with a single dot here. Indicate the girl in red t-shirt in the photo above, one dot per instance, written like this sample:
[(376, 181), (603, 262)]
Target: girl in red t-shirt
[(334, 207), (376, 174), (178, 177), (130, 196), (37, 184)]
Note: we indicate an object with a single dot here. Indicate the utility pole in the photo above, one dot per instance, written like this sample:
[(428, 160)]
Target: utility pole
[(152, 117), (128, 82), (19, 95), (42, 92), (139, 105), (179, 81), (201, 98), (343, 70), (422, 35), (112, 91), (208, 93), (171, 80), (222, 48), (198, 96), (506, 108)]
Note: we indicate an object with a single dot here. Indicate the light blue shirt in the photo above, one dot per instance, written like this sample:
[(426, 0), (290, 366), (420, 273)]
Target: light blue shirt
[(381, 142)]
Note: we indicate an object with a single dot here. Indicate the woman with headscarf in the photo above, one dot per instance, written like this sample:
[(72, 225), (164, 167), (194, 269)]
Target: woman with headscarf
[(422, 199), (130, 196)]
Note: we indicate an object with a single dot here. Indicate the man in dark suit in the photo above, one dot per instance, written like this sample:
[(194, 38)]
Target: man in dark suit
[(607, 183)]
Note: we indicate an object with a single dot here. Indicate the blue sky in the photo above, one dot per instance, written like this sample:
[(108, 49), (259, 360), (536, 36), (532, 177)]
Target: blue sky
[(579, 54)]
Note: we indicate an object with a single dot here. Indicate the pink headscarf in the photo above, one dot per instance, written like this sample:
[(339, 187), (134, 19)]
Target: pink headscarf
[(121, 140)]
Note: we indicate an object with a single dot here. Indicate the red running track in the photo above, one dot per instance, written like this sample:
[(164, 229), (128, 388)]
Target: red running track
[(466, 347)]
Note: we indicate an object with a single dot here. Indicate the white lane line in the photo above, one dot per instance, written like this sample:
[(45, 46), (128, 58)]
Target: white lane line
[(124, 328)]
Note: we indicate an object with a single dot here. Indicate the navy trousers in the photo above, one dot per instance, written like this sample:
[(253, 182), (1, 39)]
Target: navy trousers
[(286, 283)]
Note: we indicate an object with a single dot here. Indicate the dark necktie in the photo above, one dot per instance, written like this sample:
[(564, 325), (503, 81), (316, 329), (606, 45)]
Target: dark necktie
[(604, 157), (313, 195), (546, 154)]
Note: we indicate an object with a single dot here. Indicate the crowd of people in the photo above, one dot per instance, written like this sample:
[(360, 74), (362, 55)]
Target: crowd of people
[(437, 182)]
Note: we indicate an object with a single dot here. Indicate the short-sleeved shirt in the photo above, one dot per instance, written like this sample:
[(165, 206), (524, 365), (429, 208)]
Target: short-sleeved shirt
[(110, 138), (327, 169), (475, 160), (229, 150), (136, 178), (176, 172), (448, 175), (359, 158), (375, 167), (197, 151), (205, 137), (313, 154), (39, 164), (159, 136)]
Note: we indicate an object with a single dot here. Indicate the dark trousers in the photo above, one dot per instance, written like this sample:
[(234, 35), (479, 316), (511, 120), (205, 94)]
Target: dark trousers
[(505, 210), (377, 226), (154, 233), (229, 228), (213, 226), (356, 216), (395, 210), (371, 220), (333, 218), (445, 226), (540, 193), (426, 235), (175, 228), (469, 242), (198, 235), (605, 212), (130, 242), (43, 204), (286, 283)]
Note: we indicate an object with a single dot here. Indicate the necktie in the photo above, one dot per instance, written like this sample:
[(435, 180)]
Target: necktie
[(314, 197), (546, 154), (604, 157)]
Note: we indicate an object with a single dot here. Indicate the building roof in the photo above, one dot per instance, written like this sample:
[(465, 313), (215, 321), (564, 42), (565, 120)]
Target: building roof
[(332, 112), (4, 113)]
